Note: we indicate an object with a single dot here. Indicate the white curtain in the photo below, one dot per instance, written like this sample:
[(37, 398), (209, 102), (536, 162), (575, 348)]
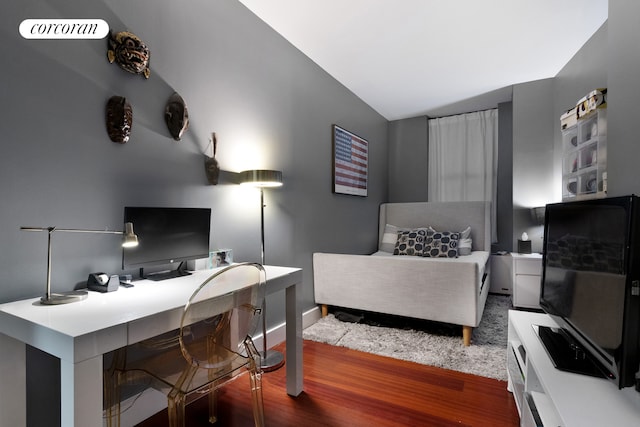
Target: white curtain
[(463, 159)]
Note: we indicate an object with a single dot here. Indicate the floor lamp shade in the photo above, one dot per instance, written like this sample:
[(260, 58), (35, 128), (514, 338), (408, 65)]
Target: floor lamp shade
[(264, 178), (261, 178)]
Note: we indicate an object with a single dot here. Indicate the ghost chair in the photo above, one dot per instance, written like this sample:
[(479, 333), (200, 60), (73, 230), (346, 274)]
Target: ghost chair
[(211, 347)]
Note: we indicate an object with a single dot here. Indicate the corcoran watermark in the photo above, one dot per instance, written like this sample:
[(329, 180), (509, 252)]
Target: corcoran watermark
[(64, 29)]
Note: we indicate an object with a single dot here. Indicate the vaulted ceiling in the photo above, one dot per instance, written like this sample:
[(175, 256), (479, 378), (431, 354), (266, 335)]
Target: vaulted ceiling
[(407, 58)]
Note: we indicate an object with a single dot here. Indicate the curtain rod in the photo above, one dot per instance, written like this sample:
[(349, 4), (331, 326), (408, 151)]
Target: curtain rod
[(460, 114)]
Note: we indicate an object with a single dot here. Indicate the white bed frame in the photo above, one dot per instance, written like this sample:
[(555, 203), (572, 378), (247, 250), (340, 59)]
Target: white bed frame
[(439, 289)]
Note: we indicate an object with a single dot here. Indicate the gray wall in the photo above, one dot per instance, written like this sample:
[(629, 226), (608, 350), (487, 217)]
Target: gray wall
[(408, 160), (270, 106), (504, 207), (533, 145), (623, 57), (585, 72), (604, 61)]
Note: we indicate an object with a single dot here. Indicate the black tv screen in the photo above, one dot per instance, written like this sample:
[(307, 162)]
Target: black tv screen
[(167, 235), (589, 267)]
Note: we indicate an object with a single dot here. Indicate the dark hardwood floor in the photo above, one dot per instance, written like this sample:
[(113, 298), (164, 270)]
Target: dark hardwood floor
[(344, 387)]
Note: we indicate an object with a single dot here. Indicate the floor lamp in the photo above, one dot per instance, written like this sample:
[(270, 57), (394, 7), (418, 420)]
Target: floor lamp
[(129, 240), (270, 359)]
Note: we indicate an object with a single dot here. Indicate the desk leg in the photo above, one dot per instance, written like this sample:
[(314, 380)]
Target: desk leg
[(294, 342), (81, 393), (13, 387)]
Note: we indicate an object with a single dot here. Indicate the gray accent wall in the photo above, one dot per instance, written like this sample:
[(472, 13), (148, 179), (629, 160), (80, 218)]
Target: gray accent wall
[(504, 202), (533, 151), (585, 72), (408, 160), (623, 59), (270, 106)]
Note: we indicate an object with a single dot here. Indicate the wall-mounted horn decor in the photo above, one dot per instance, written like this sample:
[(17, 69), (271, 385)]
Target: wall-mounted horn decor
[(119, 119), (129, 52), (176, 116), (211, 166)]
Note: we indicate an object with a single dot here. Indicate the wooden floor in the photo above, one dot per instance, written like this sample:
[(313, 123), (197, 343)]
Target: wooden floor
[(344, 387)]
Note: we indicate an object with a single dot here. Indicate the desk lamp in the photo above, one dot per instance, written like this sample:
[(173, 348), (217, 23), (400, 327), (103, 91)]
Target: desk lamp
[(129, 240), (270, 359)]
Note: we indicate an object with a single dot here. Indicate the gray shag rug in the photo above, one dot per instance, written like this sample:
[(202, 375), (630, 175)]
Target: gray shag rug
[(428, 343)]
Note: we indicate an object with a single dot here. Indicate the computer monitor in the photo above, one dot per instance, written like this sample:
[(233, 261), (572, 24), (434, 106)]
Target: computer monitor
[(167, 235)]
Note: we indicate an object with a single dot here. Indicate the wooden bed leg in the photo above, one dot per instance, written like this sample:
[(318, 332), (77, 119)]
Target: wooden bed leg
[(325, 310), (466, 335)]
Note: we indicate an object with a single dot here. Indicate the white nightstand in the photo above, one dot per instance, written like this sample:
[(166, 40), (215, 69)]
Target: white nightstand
[(527, 273), (501, 274)]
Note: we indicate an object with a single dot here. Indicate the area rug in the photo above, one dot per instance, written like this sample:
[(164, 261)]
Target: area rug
[(428, 343)]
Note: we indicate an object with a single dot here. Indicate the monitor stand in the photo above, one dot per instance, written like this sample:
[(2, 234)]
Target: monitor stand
[(567, 354), (164, 275)]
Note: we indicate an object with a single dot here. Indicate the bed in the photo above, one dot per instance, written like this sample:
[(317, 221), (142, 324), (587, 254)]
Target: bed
[(437, 288)]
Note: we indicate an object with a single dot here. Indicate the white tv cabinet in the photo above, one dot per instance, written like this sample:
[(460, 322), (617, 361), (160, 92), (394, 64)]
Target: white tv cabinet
[(546, 396)]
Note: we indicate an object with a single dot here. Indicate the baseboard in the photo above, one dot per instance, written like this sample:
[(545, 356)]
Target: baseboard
[(311, 316), (277, 334)]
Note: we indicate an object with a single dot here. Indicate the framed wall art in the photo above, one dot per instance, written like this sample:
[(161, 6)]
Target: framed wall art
[(350, 163)]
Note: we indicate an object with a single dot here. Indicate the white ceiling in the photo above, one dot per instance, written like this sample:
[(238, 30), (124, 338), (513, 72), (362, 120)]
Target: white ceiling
[(407, 58)]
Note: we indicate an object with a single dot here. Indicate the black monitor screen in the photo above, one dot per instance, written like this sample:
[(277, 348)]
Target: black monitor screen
[(167, 235)]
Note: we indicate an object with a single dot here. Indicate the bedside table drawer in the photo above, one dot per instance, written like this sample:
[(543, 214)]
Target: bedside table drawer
[(527, 292), (527, 271), (531, 266)]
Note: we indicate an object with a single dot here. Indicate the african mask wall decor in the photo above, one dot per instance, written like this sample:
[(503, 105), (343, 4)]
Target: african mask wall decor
[(211, 167), (176, 116), (119, 119), (129, 52)]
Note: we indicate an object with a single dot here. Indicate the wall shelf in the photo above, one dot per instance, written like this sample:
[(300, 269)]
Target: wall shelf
[(584, 158)]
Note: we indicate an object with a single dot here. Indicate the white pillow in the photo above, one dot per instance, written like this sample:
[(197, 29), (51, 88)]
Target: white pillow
[(389, 238), (465, 242)]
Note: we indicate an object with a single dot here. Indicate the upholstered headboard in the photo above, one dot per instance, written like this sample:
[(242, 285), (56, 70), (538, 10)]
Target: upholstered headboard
[(442, 216)]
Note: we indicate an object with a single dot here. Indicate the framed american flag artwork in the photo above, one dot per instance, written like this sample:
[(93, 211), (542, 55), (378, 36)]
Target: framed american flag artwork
[(350, 163)]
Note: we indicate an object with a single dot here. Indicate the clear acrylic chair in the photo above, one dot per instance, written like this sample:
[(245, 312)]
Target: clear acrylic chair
[(210, 348)]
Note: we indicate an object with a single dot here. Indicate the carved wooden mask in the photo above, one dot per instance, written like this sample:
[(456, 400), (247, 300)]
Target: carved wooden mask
[(119, 119), (129, 52), (176, 116)]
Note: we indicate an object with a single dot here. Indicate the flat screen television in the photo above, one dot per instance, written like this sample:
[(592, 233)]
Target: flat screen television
[(590, 287), (165, 236)]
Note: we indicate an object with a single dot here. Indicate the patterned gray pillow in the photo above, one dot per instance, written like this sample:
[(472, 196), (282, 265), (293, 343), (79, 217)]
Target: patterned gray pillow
[(411, 242), (442, 244)]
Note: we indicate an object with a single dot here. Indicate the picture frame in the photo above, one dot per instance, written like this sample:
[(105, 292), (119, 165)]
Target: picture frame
[(350, 169), (220, 258)]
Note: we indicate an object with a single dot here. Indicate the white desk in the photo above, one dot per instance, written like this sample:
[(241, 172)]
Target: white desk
[(80, 333)]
